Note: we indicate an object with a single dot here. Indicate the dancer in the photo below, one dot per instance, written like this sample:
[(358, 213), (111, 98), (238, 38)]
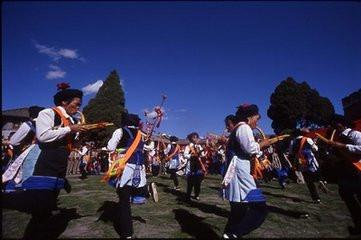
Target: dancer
[(348, 149), (132, 180), (195, 169), (302, 150), (172, 156), (248, 205), (55, 131)]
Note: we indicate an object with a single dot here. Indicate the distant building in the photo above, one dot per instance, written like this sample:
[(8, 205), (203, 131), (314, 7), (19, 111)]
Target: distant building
[(352, 105)]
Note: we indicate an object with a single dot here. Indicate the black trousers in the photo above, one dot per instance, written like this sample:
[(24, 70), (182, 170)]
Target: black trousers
[(39, 203), (194, 181), (124, 224), (310, 179), (245, 217), (82, 168), (173, 176), (350, 193)]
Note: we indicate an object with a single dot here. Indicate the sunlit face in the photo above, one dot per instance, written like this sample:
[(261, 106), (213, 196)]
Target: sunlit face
[(195, 139), (252, 121), (73, 106), (229, 125)]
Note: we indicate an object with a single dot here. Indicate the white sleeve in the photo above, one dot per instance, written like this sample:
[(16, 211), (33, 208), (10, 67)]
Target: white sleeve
[(203, 152), (84, 150), (166, 151), (354, 148), (113, 142), (45, 131), (20, 134), (312, 144), (246, 139), (355, 136), (149, 147), (187, 154)]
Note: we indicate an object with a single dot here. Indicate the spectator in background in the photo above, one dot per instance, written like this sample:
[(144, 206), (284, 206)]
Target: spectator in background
[(83, 162)]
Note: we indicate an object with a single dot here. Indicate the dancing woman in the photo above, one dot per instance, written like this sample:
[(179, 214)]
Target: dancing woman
[(248, 205)]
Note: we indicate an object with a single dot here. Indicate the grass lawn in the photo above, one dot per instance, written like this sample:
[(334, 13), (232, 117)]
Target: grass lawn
[(173, 218)]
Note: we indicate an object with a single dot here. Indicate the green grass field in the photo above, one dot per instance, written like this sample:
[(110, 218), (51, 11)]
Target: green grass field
[(173, 218)]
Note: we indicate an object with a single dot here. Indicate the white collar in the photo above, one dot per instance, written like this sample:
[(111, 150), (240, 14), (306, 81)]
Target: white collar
[(62, 110), (346, 131), (65, 114)]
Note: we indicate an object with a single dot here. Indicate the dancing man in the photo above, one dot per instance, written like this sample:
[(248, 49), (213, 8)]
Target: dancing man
[(132, 181), (55, 132), (348, 149)]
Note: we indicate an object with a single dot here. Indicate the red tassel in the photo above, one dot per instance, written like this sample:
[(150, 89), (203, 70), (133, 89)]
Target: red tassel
[(62, 86)]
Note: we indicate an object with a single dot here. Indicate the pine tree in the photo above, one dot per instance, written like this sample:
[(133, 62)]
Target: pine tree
[(107, 106)]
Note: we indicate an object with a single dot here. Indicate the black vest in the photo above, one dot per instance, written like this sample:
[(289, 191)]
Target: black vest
[(234, 148)]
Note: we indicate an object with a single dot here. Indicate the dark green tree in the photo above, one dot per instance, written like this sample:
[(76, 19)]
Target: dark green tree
[(297, 105), (108, 105)]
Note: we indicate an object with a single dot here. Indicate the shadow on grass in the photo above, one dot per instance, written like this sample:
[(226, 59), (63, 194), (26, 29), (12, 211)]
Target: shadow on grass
[(288, 213), (206, 208), (53, 226), (108, 213), (294, 199), (268, 186), (215, 188), (193, 225), (59, 222)]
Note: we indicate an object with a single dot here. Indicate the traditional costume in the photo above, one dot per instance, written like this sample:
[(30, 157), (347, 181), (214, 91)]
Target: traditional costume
[(302, 149), (248, 205), (194, 169), (172, 153), (25, 135), (349, 176), (45, 176), (132, 181), (84, 158)]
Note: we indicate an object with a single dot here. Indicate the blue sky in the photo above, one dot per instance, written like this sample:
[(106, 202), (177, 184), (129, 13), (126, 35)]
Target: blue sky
[(208, 57)]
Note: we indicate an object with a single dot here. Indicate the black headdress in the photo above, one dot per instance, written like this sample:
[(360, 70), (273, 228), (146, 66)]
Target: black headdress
[(246, 110), (66, 94)]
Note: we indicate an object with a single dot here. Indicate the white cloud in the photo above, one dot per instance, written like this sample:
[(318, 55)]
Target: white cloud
[(92, 88), (54, 74), (51, 52), (68, 53), (56, 54), (54, 67)]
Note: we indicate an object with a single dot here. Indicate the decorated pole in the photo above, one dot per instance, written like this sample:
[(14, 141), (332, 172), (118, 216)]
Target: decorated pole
[(157, 116)]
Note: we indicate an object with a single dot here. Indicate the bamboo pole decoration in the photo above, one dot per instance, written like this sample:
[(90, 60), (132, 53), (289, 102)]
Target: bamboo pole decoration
[(97, 125), (82, 118), (323, 138), (278, 138), (333, 134)]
